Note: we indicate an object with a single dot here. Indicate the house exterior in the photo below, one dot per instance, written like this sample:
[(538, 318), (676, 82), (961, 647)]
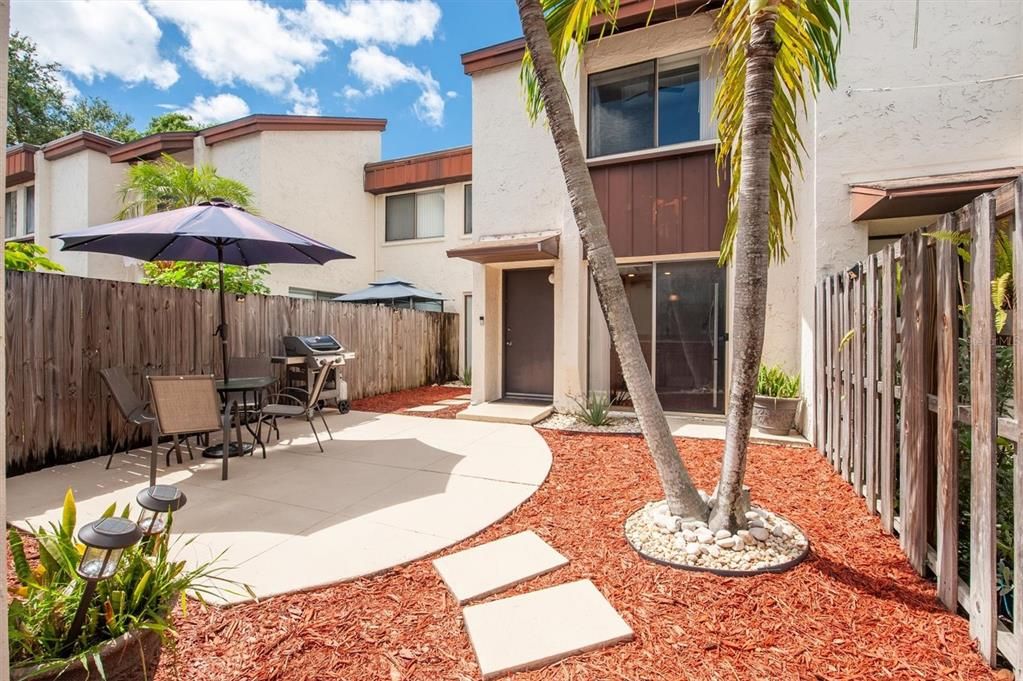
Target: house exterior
[(923, 120), (322, 176)]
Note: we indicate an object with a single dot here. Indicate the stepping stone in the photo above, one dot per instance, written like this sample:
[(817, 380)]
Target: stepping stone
[(427, 408), (451, 403), (537, 628), (497, 565)]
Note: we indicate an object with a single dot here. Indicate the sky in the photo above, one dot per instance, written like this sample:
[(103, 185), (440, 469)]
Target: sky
[(218, 60)]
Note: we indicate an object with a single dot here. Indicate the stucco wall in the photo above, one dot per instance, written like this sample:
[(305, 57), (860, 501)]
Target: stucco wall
[(310, 182)]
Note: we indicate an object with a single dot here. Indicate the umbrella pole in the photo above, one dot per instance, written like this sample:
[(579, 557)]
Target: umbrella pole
[(223, 310)]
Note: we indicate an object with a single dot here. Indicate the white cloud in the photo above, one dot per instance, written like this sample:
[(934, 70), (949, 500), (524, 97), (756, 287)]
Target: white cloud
[(390, 22), (304, 102), (216, 109), (381, 71), (97, 39), (65, 85), (350, 93), (451, 94), (245, 41)]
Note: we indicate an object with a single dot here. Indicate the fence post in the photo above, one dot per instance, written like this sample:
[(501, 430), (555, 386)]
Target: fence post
[(870, 418), (820, 369), (886, 475), (947, 442), (913, 481), (982, 604)]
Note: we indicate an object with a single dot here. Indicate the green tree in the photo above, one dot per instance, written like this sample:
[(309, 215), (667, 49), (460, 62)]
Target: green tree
[(166, 184), (35, 102), (172, 121), (775, 50), (38, 110), (98, 116)]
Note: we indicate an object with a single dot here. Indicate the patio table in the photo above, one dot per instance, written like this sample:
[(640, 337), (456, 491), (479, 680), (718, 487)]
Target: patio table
[(243, 385)]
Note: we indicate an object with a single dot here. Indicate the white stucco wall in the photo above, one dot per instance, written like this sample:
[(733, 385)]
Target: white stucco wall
[(311, 182)]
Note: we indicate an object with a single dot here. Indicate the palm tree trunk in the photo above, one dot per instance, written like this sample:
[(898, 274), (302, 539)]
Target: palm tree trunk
[(751, 263), (682, 496)]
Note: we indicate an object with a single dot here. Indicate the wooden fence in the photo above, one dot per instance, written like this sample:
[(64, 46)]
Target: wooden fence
[(62, 330), (892, 399)]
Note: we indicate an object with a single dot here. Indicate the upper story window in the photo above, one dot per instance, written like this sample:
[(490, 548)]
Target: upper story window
[(30, 209), (467, 215), (414, 216), (649, 105), (11, 214)]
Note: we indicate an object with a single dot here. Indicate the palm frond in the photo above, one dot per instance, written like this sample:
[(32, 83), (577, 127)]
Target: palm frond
[(808, 34), (568, 23), (167, 183)]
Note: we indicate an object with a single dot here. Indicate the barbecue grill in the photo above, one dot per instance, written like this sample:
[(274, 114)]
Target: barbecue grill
[(304, 357)]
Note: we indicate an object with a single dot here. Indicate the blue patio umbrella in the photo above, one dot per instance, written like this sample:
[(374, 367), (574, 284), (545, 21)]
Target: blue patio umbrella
[(390, 290), (212, 231)]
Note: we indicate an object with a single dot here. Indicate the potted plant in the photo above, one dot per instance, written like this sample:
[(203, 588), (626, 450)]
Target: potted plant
[(126, 619), (776, 402)]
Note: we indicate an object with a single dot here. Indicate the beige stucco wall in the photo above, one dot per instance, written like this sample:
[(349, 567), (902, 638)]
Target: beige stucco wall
[(311, 182)]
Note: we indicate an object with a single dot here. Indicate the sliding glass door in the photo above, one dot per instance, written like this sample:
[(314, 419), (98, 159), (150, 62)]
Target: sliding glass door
[(679, 310)]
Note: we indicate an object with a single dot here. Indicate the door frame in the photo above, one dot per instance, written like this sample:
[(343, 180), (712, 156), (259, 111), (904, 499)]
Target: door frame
[(547, 398)]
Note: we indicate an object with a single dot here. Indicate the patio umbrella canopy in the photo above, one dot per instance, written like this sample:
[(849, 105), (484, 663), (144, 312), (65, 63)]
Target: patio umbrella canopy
[(389, 290), (212, 231)]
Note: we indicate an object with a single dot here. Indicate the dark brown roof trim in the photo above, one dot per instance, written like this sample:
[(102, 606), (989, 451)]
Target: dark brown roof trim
[(21, 163), (251, 125), (75, 142), (631, 14), (423, 170), (522, 249), (924, 195), (152, 146)]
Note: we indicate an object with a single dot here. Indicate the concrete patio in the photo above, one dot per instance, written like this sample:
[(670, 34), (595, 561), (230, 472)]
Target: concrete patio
[(387, 490)]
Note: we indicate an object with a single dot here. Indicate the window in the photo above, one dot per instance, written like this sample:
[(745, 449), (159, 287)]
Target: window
[(467, 218), (11, 214), (310, 294), (646, 105), (30, 209), (414, 216)]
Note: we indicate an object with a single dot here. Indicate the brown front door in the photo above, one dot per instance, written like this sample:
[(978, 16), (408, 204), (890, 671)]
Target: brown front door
[(528, 334)]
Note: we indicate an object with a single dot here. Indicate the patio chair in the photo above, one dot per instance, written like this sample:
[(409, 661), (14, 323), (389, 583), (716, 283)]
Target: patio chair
[(248, 367), (296, 402), (133, 408), (183, 406)]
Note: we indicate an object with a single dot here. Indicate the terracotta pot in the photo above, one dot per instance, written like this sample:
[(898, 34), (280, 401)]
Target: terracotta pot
[(131, 657), (775, 415)]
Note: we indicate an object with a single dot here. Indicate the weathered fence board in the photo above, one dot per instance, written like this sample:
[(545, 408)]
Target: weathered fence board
[(856, 382), (1017, 464), (63, 329), (886, 475), (870, 383)]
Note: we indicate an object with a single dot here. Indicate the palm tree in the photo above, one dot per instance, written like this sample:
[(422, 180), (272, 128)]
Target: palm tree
[(773, 52), (166, 184)]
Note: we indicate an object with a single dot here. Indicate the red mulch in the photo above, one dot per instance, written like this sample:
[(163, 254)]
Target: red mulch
[(853, 610), (397, 403)]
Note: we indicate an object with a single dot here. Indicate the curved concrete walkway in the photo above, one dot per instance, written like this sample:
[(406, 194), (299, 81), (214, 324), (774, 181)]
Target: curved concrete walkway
[(388, 489)]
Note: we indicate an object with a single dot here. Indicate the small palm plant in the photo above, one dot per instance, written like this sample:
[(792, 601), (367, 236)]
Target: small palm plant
[(138, 597), (166, 184), (594, 409)]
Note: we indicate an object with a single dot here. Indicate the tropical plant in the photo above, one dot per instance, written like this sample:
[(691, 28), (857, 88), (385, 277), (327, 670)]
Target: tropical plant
[(205, 275), (594, 409), (139, 596), (172, 121), (775, 53), (774, 382), (467, 375), (167, 183), (22, 256)]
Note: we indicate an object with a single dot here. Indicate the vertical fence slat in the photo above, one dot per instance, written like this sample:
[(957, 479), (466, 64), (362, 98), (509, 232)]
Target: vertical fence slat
[(913, 479), (1017, 465), (857, 383), (846, 373), (870, 380), (886, 475), (947, 444), (835, 398), (982, 604), (820, 368)]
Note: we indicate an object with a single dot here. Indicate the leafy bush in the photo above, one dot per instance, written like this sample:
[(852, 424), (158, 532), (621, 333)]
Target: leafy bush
[(21, 256), (138, 596), (774, 382), (594, 409), (204, 275)]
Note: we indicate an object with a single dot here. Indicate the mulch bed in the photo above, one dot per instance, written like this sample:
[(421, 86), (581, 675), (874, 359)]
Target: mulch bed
[(853, 610), (399, 402)]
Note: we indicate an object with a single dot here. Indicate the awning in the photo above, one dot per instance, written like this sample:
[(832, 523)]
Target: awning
[(509, 250), (925, 195)]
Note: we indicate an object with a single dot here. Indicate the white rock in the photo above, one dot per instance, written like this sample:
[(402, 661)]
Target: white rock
[(759, 533), (713, 550), (755, 522), (705, 536), (722, 534), (692, 549), (743, 533), (690, 536), (778, 531), (725, 542)]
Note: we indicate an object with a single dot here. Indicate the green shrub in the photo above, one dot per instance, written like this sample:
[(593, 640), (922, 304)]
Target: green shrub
[(140, 595), (774, 382), (594, 409), (467, 376)]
